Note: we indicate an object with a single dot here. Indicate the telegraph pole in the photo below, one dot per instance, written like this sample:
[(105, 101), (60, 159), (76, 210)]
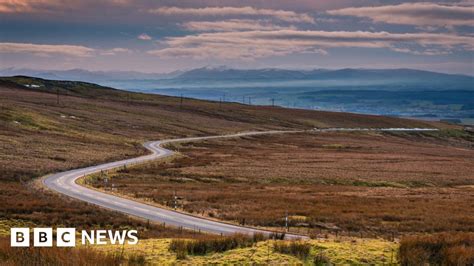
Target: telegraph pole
[(250, 100), (273, 102), (175, 197)]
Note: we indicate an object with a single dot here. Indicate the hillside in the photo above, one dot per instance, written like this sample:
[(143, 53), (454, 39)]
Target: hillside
[(93, 124)]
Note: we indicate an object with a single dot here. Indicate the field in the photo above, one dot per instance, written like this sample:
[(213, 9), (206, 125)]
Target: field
[(327, 182), (365, 183), (64, 125), (338, 251)]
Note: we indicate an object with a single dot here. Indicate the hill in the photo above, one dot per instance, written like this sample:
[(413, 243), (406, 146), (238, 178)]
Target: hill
[(48, 126), (347, 74), (223, 73)]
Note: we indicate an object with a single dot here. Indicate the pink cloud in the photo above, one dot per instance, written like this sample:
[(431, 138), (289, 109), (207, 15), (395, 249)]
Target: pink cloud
[(248, 45), (288, 16), (419, 14), (144, 37), (46, 49), (115, 51), (233, 25)]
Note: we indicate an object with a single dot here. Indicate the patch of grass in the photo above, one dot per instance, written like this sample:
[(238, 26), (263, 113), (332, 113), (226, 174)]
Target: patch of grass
[(56, 256), (6, 224), (361, 183), (383, 187), (356, 251), (298, 249), (337, 251), (438, 249), (204, 246)]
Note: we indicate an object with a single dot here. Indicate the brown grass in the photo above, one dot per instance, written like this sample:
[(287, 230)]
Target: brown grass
[(55, 256), (438, 249), (359, 182), (295, 248), (183, 247), (91, 125)]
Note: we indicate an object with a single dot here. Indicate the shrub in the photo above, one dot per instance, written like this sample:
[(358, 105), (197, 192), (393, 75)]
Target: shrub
[(321, 260), (277, 236), (204, 246), (296, 248), (437, 249), (136, 259)]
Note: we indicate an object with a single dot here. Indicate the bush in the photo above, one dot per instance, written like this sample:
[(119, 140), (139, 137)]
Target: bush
[(204, 246), (296, 248), (135, 259), (277, 236), (438, 249), (321, 260)]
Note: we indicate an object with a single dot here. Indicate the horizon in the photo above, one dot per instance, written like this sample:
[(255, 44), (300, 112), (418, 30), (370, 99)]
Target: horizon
[(149, 37), (224, 68)]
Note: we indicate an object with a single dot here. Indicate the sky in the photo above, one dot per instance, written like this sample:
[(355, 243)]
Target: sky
[(162, 36)]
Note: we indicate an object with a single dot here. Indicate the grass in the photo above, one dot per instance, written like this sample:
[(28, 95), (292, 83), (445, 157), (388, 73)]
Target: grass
[(6, 224), (356, 251), (454, 248), (378, 184), (57, 256), (337, 251), (184, 247), (298, 249), (93, 124)]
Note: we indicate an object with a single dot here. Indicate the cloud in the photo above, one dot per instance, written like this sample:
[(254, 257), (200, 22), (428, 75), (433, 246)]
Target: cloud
[(25, 6), (419, 14), (233, 25), (55, 6), (249, 45), (115, 51), (144, 37), (46, 49), (288, 16)]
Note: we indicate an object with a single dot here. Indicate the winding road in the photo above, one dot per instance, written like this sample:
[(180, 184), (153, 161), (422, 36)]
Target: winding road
[(65, 183)]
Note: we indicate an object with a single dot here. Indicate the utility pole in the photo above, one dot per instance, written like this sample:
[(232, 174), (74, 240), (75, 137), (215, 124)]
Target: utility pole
[(250, 100), (273, 102), (175, 197), (243, 99), (223, 98), (181, 101)]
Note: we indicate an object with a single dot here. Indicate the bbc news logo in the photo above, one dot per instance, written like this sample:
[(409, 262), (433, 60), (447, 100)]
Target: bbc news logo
[(66, 237)]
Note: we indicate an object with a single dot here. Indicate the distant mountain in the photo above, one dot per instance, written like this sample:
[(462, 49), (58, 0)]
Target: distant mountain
[(85, 75), (223, 77), (221, 73)]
